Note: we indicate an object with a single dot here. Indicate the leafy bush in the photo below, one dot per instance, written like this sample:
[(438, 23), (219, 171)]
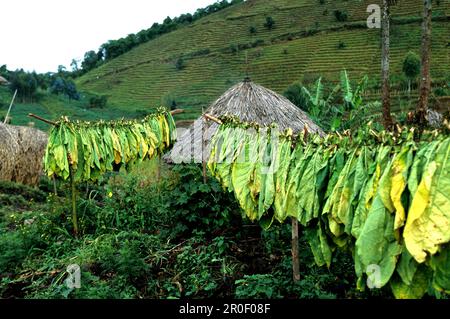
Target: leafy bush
[(252, 30), (341, 16), (98, 101), (295, 94), (341, 45), (180, 64), (257, 43), (270, 23), (442, 91)]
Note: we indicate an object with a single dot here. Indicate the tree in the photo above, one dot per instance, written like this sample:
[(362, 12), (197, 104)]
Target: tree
[(270, 23), (66, 87), (90, 61), (411, 67), (74, 65), (180, 64), (25, 84), (425, 81), (385, 46)]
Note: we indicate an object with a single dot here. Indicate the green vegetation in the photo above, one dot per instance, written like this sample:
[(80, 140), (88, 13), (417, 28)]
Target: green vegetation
[(143, 238), (411, 67), (114, 48), (382, 195), (144, 75)]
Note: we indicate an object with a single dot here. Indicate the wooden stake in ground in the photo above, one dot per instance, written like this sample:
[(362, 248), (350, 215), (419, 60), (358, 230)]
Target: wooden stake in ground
[(74, 199), (295, 258), (158, 168)]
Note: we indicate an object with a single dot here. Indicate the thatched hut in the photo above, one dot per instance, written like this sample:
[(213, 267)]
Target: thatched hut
[(251, 103), (21, 153), (3, 81)]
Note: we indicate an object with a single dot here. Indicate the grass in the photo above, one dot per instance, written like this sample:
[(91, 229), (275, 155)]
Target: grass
[(290, 52), (53, 107)]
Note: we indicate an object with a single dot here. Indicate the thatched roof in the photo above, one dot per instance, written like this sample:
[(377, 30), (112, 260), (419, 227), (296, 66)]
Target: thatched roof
[(251, 103), (3, 80), (21, 153)]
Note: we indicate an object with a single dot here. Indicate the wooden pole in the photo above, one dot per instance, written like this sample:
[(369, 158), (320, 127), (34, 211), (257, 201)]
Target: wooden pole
[(54, 186), (177, 111), (74, 200), (10, 106), (158, 168), (212, 118), (41, 119), (295, 258)]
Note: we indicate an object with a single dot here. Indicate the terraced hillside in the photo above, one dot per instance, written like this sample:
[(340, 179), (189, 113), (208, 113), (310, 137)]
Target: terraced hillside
[(306, 41)]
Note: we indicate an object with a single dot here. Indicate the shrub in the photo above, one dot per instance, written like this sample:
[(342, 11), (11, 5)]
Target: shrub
[(98, 101), (270, 23), (180, 64), (295, 94), (169, 100), (257, 43), (341, 44), (441, 91), (233, 48), (252, 30), (341, 16)]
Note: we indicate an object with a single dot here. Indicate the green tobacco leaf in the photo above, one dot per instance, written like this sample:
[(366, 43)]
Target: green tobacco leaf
[(407, 267), (281, 174), (377, 245), (440, 263), (416, 289), (428, 221), (319, 245)]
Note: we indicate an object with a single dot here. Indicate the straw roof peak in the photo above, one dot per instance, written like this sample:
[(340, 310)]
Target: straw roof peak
[(3, 81), (250, 102)]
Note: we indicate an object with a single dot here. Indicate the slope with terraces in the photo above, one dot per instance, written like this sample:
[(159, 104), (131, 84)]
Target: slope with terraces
[(307, 41)]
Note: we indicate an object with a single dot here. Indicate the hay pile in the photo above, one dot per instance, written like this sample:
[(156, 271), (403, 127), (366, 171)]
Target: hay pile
[(21, 152)]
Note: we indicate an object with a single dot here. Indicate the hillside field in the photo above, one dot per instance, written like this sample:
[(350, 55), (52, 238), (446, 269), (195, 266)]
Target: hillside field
[(306, 42)]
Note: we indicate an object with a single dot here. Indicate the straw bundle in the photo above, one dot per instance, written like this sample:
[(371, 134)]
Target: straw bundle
[(9, 149), (21, 152)]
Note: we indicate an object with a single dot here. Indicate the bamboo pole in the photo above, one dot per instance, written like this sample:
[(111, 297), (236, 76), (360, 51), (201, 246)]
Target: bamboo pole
[(10, 106)]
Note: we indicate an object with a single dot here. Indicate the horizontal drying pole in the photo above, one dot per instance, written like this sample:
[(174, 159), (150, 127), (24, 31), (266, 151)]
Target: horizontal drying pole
[(212, 118)]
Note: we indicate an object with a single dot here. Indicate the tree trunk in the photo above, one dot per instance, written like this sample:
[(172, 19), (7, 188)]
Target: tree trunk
[(386, 90), (425, 81)]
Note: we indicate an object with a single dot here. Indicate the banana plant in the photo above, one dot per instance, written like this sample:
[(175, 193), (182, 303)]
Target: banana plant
[(352, 100), (319, 106)]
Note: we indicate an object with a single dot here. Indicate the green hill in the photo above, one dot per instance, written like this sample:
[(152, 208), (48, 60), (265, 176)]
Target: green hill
[(306, 41), (52, 107)]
